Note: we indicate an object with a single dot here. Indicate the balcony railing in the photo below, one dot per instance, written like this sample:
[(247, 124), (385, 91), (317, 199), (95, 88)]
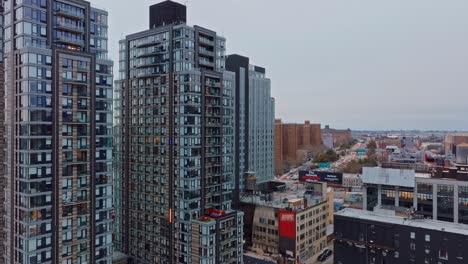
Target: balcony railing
[(71, 27), (68, 12)]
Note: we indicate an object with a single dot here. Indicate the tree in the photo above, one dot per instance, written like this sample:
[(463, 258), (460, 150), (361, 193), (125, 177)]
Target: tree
[(356, 166), (372, 145), (327, 156), (349, 144), (371, 149)]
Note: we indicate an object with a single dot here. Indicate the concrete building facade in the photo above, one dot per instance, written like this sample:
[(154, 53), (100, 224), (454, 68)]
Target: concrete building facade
[(58, 122)]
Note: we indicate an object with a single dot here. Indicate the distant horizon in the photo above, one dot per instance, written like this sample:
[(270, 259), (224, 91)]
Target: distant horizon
[(322, 125), (370, 64)]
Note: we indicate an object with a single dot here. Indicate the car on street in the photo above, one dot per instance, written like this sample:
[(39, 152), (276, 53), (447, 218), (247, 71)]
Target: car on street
[(325, 255)]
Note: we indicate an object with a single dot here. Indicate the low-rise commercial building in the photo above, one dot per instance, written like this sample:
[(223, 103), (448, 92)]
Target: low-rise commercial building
[(444, 195), (290, 224), (352, 181), (441, 195), (384, 237), (388, 187)]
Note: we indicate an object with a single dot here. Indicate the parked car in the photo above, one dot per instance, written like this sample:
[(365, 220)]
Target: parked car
[(325, 255)]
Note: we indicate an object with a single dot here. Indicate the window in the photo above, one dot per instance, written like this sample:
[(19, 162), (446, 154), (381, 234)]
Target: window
[(412, 235), (427, 238), (412, 246), (443, 254)]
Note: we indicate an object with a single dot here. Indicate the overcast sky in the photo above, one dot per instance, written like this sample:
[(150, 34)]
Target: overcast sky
[(362, 64)]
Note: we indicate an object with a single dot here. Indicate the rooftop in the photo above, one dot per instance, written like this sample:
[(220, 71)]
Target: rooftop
[(117, 256), (398, 220), (293, 197), (386, 176), (253, 258)]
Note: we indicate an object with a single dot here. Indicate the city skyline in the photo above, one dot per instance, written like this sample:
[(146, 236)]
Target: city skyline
[(394, 55), (231, 132)]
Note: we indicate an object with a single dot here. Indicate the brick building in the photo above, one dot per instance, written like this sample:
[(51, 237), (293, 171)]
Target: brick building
[(339, 137), (293, 140)]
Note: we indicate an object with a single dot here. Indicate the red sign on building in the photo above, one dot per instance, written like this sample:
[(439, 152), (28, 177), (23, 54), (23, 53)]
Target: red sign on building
[(287, 224)]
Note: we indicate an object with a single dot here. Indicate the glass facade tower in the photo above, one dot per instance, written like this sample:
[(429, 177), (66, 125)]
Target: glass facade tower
[(255, 124), (174, 143), (58, 151)]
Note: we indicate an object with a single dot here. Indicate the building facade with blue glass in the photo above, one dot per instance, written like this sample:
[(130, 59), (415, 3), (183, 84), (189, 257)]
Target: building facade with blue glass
[(174, 144), (58, 151)]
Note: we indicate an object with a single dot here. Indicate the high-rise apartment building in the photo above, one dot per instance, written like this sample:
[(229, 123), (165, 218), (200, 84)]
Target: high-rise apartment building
[(58, 133), (2, 131), (175, 144), (255, 123), (293, 142)]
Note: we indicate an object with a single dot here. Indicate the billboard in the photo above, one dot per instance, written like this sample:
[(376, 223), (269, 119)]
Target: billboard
[(287, 224), (287, 231), (322, 176)]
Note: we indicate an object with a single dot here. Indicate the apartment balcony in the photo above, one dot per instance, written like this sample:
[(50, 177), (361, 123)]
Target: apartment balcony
[(212, 135), (213, 92), (214, 113), (213, 124), (214, 102), (74, 162), (77, 121), (212, 83), (70, 13), (65, 40), (226, 231), (230, 260), (206, 62), (82, 68), (70, 27), (144, 44), (142, 53), (213, 143), (206, 41), (213, 153), (212, 193), (206, 52)]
